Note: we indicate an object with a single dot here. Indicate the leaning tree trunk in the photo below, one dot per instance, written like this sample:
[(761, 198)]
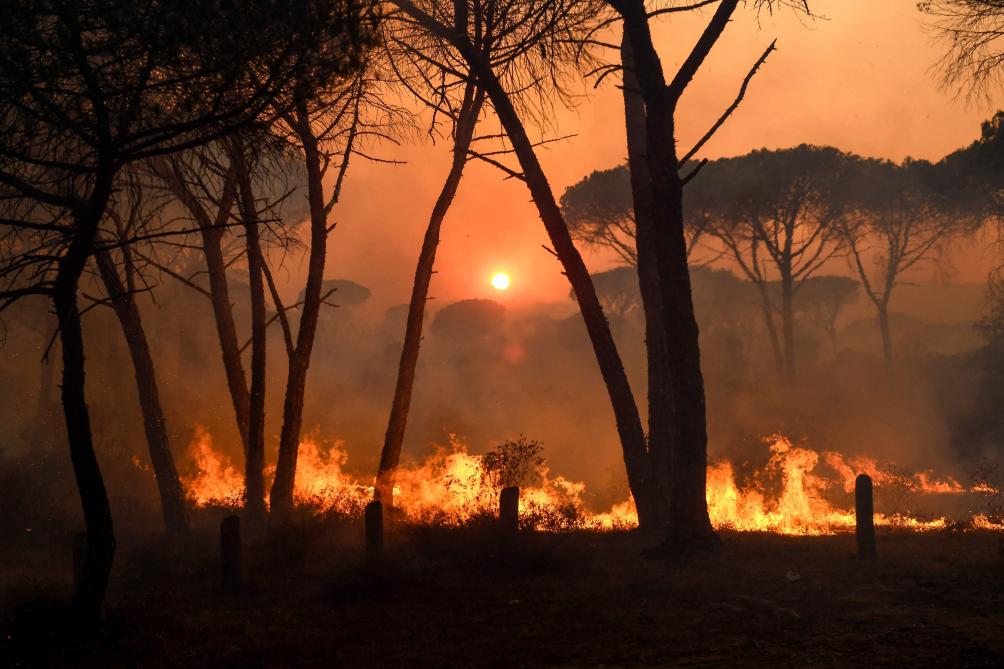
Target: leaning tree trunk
[(254, 452), (172, 498), (219, 292), (211, 230), (390, 456), (90, 588), (652, 502), (296, 380), (629, 427)]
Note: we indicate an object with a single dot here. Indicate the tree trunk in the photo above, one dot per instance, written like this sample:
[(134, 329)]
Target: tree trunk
[(688, 510), (172, 498), (390, 456), (652, 503), (788, 325), (629, 427), (296, 380), (45, 405), (688, 519), (883, 321), (254, 452), (216, 268), (768, 321), (90, 589), (219, 293)]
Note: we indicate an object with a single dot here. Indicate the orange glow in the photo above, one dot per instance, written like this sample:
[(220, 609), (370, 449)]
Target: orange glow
[(500, 281), (786, 496)]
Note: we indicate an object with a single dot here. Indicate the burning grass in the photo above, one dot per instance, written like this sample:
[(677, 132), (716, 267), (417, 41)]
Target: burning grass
[(797, 492)]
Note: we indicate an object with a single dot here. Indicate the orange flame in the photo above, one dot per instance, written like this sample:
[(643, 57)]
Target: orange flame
[(450, 488)]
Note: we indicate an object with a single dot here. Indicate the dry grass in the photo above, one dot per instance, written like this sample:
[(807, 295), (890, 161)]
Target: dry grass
[(453, 598)]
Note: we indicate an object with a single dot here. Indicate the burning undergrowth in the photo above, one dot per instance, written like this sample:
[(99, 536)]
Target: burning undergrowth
[(798, 491)]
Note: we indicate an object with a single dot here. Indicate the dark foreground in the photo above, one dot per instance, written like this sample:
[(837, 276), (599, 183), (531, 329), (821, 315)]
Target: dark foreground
[(446, 598)]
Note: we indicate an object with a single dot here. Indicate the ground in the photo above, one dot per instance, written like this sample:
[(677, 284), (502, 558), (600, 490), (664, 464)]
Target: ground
[(456, 598)]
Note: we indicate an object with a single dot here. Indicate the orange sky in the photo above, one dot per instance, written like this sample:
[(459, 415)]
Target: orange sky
[(860, 79)]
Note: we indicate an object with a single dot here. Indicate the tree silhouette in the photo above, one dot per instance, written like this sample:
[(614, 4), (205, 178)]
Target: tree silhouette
[(418, 60), (599, 211), (520, 51), (88, 88), (895, 220), (133, 212), (775, 213), (823, 298), (973, 34), (677, 439)]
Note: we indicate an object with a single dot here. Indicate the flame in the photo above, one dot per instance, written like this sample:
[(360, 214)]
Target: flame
[(787, 496), (215, 482)]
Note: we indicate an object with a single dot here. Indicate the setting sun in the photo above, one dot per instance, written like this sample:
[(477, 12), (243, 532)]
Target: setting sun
[(500, 281)]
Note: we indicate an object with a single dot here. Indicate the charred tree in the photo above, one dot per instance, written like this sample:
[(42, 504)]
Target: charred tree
[(390, 455), (328, 113), (652, 505), (296, 379), (90, 590), (87, 89), (687, 517), (123, 302), (212, 229), (254, 452), (477, 59)]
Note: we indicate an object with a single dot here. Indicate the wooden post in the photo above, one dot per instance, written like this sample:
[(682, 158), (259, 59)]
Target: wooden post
[(509, 510), (230, 554), (79, 557), (864, 508), (374, 530)]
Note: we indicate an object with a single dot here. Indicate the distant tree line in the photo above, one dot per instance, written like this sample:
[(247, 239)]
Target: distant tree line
[(778, 216)]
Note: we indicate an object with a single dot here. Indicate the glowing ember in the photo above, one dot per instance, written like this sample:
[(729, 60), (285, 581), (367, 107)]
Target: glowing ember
[(787, 496)]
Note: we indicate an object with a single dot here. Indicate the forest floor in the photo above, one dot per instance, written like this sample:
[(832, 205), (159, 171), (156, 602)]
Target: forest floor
[(448, 598)]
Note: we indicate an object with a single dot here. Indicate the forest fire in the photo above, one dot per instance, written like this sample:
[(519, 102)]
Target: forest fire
[(792, 494)]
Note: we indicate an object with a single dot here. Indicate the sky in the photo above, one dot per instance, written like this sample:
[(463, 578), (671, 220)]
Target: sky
[(861, 76)]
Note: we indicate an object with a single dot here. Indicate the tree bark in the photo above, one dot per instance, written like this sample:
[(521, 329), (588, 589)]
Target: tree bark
[(90, 589), (223, 315), (390, 455), (629, 427), (219, 293), (768, 321), (788, 325), (254, 453), (883, 321), (172, 498), (296, 380), (688, 519), (652, 502)]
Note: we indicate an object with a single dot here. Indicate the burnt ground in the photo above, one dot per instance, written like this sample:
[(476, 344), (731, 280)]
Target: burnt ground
[(449, 598)]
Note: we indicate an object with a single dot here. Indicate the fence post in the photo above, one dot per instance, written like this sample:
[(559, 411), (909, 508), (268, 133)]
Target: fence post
[(374, 530), (864, 509), (509, 510), (230, 554)]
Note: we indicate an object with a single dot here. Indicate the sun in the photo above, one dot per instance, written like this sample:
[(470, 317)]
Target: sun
[(500, 281)]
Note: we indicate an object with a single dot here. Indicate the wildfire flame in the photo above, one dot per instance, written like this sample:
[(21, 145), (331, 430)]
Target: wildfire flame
[(449, 487)]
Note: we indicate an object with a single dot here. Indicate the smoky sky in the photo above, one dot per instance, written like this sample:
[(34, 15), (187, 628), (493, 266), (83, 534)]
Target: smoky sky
[(861, 76)]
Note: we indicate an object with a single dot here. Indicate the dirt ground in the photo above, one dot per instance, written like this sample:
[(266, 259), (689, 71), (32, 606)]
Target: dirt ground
[(454, 598)]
